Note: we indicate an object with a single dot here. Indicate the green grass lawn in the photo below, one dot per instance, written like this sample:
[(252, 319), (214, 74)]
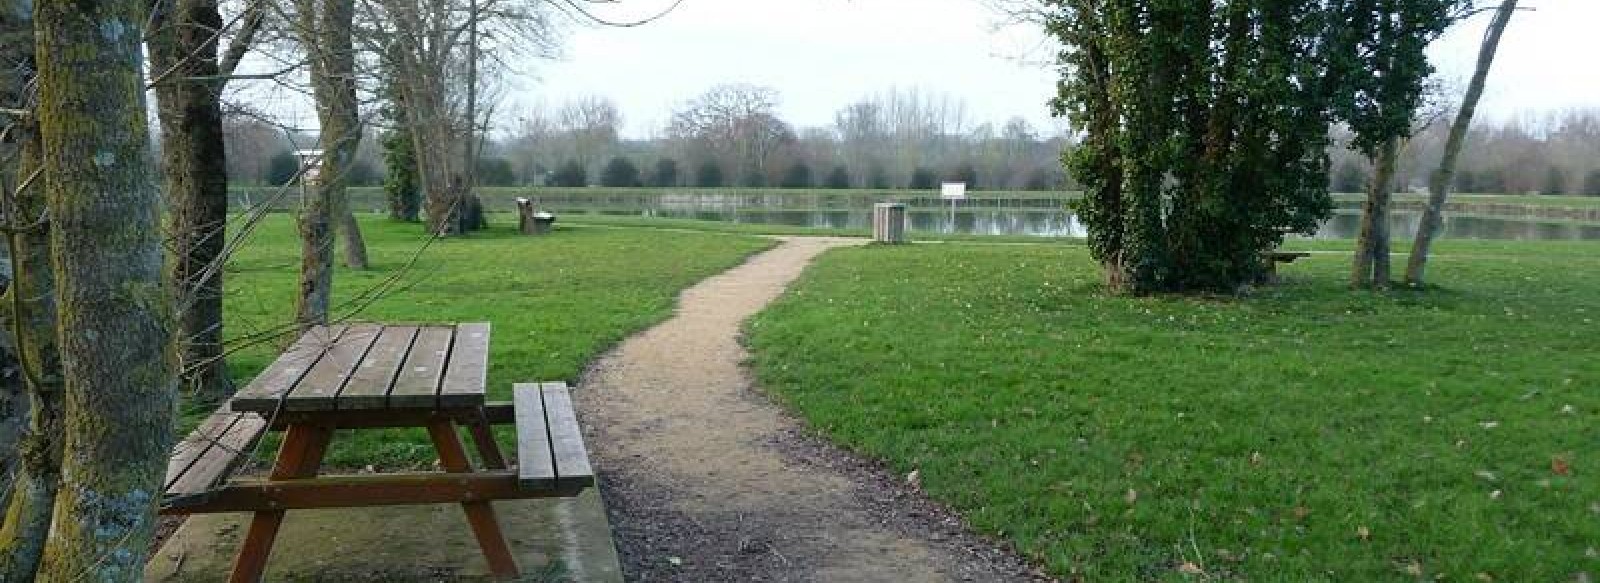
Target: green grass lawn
[(1307, 433), (555, 302)]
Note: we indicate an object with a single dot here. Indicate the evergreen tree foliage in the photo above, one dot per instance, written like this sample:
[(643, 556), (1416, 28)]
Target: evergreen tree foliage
[(965, 174), (401, 185), (709, 175), (571, 173), (666, 173), (1349, 177), (1555, 181), (797, 176), (878, 177), (496, 171), (1466, 181), (923, 179), (282, 168), (620, 172), (754, 178), (838, 178), (1206, 123), (1591, 183)]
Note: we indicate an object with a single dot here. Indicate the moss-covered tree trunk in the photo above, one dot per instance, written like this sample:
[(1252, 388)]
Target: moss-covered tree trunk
[(113, 329), (1371, 263), (1439, 184), (324, 28), (182, 47)]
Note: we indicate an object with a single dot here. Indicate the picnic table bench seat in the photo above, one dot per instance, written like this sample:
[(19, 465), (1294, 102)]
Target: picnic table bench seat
[(211, 453), (364, 376), (550, 451)]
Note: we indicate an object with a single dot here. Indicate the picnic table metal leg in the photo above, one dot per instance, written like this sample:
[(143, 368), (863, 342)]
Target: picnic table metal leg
[(483, 438), (300, 456), (480, 515)]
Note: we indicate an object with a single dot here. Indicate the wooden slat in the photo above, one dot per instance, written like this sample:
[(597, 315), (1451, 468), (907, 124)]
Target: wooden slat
[(536, 466), (197, 442), (566, 442), (356, 491), (318, 388), (464, 378), (264, 392), (418, 383), (225, 454), (369, 386)]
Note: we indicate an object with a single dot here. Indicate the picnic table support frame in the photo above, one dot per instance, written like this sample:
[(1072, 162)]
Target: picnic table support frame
[(299, 457), (480, 515)]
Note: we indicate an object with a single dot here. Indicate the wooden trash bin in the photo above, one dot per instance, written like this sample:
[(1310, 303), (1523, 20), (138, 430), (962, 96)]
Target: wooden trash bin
[(889, 222)]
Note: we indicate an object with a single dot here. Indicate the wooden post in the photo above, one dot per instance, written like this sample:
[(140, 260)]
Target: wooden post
[(889, 222)]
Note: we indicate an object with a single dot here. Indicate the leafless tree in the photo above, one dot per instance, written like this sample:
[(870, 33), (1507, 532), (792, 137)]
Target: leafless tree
[(1439, 185), (735, 124)]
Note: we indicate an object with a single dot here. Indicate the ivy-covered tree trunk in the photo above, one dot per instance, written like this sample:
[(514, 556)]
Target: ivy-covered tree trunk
[(400, 182), (183, 47), (1202, 146), (324, 28), (1439, 184), (30, 316), (1371, 264), (112, 307), (1206, 123)]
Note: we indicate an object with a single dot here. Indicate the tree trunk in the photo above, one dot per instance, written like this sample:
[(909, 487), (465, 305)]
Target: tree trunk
[(355, 247), (1439, 184), (119, 385), (30, 309), (1371, 264), (325, 29), (182, 46)]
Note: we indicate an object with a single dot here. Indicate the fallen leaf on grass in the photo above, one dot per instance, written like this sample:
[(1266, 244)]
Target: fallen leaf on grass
[(1189, 568), (1412, 568), (1560, 466), (1363, 533)]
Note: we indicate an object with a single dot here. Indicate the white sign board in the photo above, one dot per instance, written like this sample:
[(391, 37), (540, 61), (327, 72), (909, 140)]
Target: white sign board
[(953, 190)]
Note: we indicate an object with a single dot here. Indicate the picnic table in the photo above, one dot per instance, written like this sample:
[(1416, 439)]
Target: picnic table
[(365, 376)]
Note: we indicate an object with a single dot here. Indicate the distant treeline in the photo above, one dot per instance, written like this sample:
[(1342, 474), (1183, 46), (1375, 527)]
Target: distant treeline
[(1556, 153), (732, 137)]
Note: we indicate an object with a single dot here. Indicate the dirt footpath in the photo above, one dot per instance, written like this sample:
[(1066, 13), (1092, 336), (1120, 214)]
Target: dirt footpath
[(705, 479)]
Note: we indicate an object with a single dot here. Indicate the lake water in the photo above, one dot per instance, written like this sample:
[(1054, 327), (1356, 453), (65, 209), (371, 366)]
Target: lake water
[(1060, 223), (1041, 215)]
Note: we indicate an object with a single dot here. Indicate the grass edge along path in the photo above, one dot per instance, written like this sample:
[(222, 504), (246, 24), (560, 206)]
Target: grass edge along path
[(1308, 433)]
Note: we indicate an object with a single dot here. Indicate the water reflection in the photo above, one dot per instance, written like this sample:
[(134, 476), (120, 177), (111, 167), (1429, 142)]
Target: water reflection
[(1061, 223)]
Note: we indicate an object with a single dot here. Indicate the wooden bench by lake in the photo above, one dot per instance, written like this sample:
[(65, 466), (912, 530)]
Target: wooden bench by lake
[(366, 376), (1271, 259)]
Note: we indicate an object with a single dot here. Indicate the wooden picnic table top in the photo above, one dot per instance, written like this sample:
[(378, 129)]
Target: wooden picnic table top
[(346, 367)]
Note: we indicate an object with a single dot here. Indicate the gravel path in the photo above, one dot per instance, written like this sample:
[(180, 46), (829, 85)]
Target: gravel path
[(706, 479)]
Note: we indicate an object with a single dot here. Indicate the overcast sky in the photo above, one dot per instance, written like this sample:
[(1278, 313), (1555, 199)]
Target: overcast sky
[(822, 54)]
